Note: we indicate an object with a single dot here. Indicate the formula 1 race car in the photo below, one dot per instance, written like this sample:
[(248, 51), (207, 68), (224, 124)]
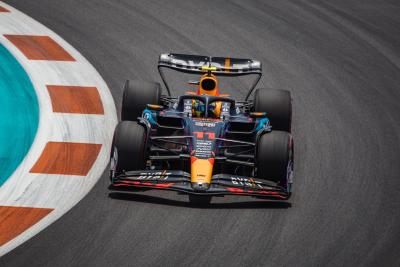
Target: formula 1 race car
[(204, 143)]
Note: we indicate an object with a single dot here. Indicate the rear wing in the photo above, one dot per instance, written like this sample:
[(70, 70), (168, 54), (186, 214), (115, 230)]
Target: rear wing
[(219, 66)]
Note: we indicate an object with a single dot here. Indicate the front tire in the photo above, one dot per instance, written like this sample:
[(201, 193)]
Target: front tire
[(128, 149), (137, 94), (275, 158), (278, 106)]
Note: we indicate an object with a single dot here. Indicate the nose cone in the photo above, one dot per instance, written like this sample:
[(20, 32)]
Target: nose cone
[(201, 172)]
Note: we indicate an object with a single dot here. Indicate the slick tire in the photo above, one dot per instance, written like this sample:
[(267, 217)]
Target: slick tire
[(128, 149), (137, 94), (278, 106), (275, 157)]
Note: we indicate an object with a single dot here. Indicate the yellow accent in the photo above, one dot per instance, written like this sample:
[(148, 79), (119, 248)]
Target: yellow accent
[(227, 64), (201, 171), (257, 114), (207, 68), (154, 107)]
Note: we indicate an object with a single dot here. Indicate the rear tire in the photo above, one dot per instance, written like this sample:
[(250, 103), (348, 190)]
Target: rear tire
[(128, 148), (278, 106), (275, 158), (137, 94)]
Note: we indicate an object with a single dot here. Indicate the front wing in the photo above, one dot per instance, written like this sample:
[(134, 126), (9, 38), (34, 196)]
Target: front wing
[(221, 184)]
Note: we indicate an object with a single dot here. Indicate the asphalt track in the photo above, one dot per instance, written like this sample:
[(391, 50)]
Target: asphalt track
[(341, 61)]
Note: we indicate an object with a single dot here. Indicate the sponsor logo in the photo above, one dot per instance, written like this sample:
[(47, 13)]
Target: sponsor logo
[(200, 64), (204, 149), (114, 159), (147, 116), (207, 119), (163, 175), (248, 182), (290, 172), (187, 109), (114, 162), (205, 124)]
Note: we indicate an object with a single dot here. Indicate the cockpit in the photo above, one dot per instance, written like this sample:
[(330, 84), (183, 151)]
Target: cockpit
[(206, 106)]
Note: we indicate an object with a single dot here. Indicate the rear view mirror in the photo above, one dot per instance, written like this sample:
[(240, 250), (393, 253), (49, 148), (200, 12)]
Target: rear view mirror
[(155, 107), (193, 82), (258, 115)]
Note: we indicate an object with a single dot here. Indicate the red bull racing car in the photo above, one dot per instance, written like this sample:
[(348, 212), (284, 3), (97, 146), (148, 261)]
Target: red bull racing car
[(204, 143)]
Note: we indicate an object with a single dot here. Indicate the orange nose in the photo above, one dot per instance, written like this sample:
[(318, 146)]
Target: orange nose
[(201, 170)]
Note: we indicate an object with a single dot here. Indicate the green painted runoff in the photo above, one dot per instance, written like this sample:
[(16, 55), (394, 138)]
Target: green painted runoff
[(19, 114)]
